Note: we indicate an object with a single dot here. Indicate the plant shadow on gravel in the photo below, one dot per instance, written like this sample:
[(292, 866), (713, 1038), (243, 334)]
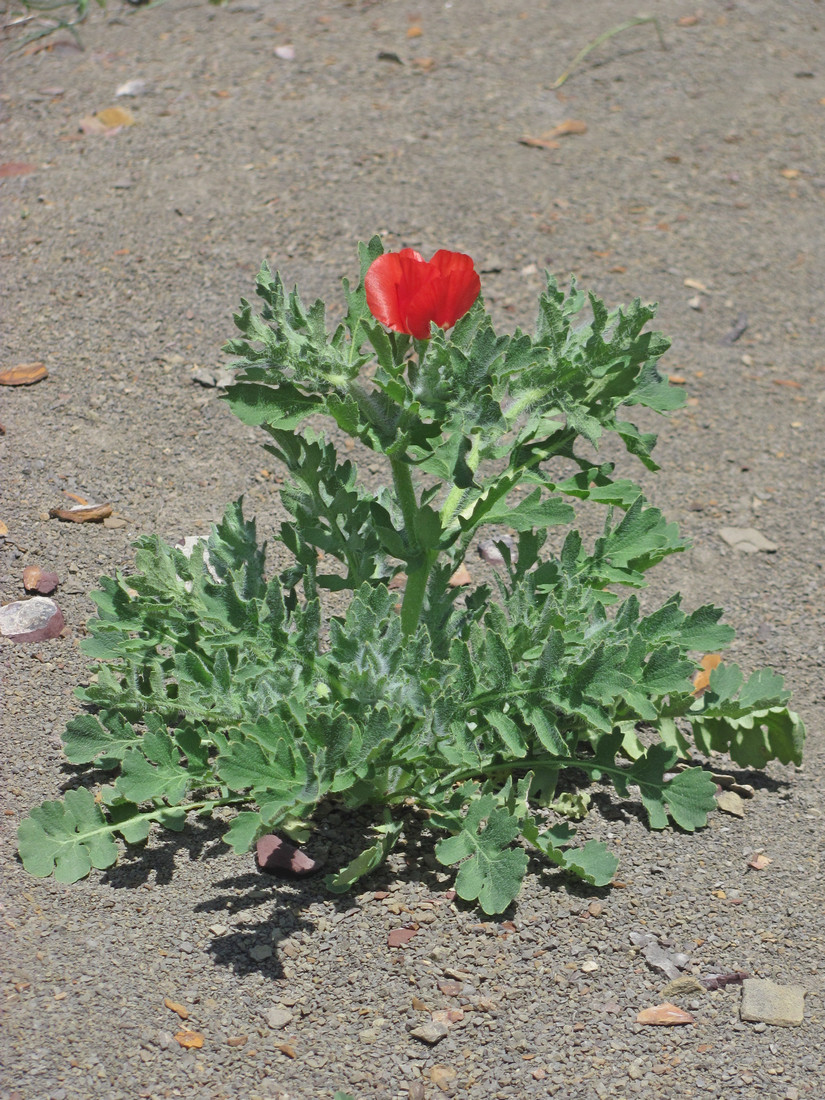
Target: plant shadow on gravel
[(159, 860)]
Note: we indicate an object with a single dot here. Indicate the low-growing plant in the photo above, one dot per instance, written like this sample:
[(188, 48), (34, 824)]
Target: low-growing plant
[(358, 673), (41, 18)]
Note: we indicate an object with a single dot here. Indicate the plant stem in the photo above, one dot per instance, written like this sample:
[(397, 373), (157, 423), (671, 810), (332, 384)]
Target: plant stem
[(637, 21), (417, 577)]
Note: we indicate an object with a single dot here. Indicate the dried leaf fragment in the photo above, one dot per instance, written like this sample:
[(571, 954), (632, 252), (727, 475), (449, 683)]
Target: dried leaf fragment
[(180, 1009), (189, 1040), (16, 168), (461, 577), (24, 374), (702, 678), (537, 142), (88, 513), (683, 987), (112, 117), (730, 803), (567, 128), (759, 862), (664, 1015), (399, 936), (107, 121)]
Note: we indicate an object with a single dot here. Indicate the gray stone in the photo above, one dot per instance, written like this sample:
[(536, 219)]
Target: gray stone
[(34, 620), (260, 952), (764, 1001), (432, 1032), (747, 539), (278, 1017)]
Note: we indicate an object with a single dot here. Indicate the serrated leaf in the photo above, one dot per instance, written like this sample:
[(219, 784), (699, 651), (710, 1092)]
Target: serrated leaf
[(530, 512), (547, 731), (87, 738), (592, 863), (154, 771), (508, 731), (279, 774)]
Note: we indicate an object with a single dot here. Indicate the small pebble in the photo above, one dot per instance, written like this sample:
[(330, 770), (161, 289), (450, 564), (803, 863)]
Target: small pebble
[(432, 1032), (278, 1018)]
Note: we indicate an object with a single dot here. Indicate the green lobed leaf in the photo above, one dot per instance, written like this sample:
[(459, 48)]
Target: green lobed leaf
[(754, 738), (66, 838), (592, 863), (154, 770), (244, 830), (491, 871)]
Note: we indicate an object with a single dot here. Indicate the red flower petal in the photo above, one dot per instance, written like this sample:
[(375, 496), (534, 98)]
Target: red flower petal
[(461, 285), (406, 293)]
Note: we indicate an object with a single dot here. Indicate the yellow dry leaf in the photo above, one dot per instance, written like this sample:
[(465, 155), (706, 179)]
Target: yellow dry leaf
[(708, 663), (568, 127), (759, 862), (24, 374), (190, 1040), (665, 1015), (461, 577), (112, 117), (175, 1007), (538, 143)]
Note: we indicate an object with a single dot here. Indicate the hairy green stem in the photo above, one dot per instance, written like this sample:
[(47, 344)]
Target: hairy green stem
[(417, 577), (447, 782)]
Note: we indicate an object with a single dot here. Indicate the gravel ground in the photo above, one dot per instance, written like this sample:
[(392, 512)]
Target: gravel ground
[(124, 255)]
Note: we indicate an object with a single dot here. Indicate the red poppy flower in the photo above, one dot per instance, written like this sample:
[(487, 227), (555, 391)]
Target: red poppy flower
[(406, 292)]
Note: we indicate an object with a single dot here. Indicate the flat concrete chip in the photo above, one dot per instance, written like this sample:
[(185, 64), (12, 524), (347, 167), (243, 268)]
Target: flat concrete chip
[(747, 539), (765, 1002)]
